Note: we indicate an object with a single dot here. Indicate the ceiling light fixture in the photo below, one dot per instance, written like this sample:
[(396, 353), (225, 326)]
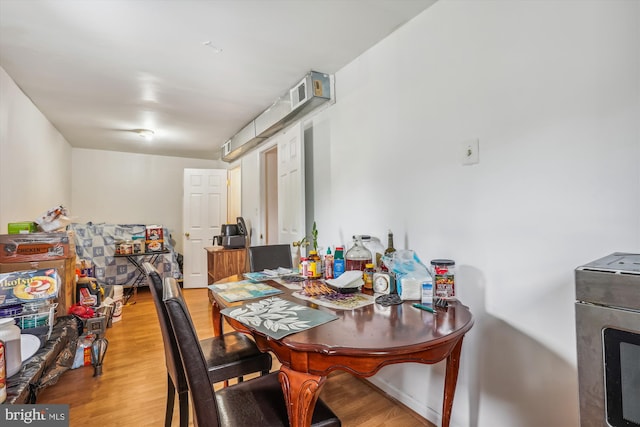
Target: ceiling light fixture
[(145, 133), (216, 49)]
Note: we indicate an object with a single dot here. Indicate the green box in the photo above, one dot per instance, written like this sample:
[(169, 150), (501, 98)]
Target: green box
[(22, 227)]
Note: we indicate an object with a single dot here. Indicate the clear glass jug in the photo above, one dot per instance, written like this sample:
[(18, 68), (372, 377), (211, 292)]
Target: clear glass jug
[(358, 256)]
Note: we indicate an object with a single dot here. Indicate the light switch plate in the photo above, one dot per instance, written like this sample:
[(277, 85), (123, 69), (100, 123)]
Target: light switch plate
[(470, 151)]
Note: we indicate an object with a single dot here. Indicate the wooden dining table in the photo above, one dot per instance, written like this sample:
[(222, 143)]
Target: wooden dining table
[(360, 341)]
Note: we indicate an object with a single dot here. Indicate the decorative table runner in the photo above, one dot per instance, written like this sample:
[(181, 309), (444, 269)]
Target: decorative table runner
[(321, 294), (243, 290), (278, 318), (338, 301)]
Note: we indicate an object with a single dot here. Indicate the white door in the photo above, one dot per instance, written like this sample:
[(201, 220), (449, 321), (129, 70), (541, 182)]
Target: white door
[(204, 211), (270, 197), (291, 203)]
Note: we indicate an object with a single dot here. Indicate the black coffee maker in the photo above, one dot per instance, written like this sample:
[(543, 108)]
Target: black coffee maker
[(233, 236)]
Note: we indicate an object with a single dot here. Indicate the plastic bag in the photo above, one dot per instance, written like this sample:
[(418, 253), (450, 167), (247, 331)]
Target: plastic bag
[(54, 219), (83, 351), (410, 273)]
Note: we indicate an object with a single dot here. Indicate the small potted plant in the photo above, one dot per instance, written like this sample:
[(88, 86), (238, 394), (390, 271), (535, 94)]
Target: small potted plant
[(314, 235)]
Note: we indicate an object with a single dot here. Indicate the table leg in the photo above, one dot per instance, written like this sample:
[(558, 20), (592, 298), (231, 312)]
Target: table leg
[(450, 380), (216, 319), (301, 391)]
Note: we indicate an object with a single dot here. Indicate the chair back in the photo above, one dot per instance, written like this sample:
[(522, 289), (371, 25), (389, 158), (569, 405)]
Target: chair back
[(269, 257), (193, 361), (171, 352)]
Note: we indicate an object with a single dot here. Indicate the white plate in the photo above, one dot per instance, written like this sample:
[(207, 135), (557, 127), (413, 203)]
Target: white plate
[(29, 345)]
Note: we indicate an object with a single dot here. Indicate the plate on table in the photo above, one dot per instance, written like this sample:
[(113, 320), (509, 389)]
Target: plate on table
[(29, 345)]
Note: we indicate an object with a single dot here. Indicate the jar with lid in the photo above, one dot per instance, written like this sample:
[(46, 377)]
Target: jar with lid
[(367, 276), (358, 256), (315, 267), (10, 336), (443, 273)]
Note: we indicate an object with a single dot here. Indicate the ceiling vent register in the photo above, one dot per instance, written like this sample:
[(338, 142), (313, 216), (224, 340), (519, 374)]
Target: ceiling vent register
[(312, 91)]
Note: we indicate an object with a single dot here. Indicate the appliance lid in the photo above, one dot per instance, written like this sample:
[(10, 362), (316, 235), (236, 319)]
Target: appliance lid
[(617, 262), (612, 281)]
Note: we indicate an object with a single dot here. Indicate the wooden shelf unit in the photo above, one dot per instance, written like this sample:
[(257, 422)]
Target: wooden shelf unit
[(222, 262)]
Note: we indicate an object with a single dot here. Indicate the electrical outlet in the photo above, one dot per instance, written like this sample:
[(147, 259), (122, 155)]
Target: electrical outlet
[(470, 151)]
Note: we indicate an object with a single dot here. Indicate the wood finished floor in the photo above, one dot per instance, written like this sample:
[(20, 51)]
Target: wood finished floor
[(132, 389)]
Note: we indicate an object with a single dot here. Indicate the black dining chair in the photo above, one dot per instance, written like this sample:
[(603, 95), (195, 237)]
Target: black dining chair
[(257, 402), (269, 257), (231, 355)]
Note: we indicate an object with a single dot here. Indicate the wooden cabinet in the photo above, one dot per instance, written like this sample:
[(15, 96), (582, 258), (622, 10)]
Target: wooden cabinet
[(222, 262)]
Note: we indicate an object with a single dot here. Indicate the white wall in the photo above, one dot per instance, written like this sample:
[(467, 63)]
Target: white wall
[(35, 160), (126, 188), (551, 89)]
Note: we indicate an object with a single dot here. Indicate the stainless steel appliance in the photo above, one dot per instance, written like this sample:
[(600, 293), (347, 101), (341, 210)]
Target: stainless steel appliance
[(608, 340), (233, 236)]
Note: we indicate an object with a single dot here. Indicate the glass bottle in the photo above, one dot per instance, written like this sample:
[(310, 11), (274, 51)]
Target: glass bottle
[(358, 256), (390, 248), (387, 252)]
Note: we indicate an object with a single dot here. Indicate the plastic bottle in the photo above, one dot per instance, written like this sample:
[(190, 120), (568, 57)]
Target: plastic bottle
[(88, 292), (328, 265), (358, 256), (338, 262), (118, 298), (10, 336), (3, 374)]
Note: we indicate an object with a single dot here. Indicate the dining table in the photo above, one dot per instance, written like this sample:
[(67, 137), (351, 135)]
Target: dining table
[(360, 341)]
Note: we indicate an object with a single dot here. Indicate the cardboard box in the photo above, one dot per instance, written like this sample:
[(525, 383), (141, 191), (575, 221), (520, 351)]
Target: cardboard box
[(66, 271), (34, 247), (154, 238), (72, 241), (19, 287), (22, 227)]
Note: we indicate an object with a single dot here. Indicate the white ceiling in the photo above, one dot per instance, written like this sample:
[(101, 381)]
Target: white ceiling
[(98, 69)]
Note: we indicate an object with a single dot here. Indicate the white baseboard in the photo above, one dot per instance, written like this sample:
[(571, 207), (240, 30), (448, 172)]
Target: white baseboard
[(422, 410)]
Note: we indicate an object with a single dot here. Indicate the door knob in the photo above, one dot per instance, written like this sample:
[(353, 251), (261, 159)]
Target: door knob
[(187, 235)]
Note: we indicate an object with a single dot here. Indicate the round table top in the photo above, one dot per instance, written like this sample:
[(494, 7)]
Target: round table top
[(375, 329)]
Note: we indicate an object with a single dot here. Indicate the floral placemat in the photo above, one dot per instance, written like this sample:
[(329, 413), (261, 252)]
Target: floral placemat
[(243, 290), (277, 317)]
